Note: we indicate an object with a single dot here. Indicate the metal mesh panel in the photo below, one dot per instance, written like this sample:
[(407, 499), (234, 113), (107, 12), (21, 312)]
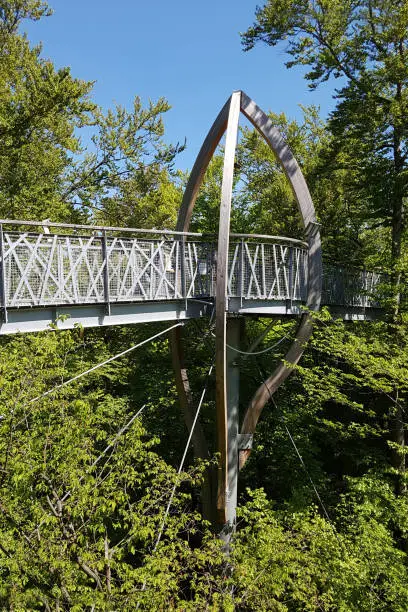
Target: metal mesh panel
[(235, 269), (300, 271), (199, 269), (47, 269), (350, 287), (42, 270), (266, 271), (143, 269)]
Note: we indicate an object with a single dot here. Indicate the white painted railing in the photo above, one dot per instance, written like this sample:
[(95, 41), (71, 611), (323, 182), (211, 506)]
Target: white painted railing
[(54, 269), (97, 266)]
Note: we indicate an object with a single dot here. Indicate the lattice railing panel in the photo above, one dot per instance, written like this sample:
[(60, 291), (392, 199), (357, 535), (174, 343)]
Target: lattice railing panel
[(199, 269), (267, 271), (143, 269), (49, 269), (43, 269), (351, 287)]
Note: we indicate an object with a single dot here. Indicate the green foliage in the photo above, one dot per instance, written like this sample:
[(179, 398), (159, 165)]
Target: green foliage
[(79, 524), (40, 109), (263, 201), (126, 180), (82, 505), (298, 561), (45, 172), (265, 195), (364, 44)]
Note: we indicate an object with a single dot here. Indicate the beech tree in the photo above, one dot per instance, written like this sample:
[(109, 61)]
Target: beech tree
[(40, 109), (364, 45), (44, 169)]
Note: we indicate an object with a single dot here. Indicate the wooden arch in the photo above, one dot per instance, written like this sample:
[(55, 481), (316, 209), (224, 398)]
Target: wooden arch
[(227, 121)]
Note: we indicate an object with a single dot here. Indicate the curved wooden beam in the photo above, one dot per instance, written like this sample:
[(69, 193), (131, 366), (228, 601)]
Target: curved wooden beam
[(221, 303), (200, 166), (301, 192)]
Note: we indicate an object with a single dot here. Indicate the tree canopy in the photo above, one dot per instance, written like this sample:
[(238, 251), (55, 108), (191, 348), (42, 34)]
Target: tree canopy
[(84, 484), (364, 45)]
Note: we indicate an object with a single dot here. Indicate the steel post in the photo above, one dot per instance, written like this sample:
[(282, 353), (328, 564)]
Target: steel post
[(3, 292), (233, 340), (105, 273)]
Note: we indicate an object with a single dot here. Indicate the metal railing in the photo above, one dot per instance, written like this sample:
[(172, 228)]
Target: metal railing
[(43, 269), (267, 271), (353, 287), (52, 269)]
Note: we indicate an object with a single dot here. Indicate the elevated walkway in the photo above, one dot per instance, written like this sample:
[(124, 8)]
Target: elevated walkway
[(97, 276)]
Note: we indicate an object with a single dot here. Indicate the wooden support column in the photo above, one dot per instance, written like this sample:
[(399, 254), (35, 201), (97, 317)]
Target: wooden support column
[(221, 304)]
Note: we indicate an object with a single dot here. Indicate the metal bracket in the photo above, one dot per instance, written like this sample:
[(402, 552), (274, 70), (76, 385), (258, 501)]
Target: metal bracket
[(244, 441), (312, 227), (3, 290)]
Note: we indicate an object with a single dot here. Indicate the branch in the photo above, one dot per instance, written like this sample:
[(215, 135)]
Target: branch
[(57, 512), (84, 178), (89, 572), (373, 39), (320, 38)]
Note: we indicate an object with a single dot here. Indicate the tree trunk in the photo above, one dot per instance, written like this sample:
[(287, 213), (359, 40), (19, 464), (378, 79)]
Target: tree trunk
[(200, 447), (397, 434)]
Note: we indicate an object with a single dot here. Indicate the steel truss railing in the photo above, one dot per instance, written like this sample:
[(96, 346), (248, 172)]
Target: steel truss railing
[(265, 271), (352, 287), (52, 269), (45, 269)]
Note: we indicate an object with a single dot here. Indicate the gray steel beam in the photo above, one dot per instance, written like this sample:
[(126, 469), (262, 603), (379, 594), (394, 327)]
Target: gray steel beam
[(94, 315), (263, 308), (233, 335)]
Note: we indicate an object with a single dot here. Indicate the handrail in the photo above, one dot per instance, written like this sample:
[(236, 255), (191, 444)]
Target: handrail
[(134, 230), (266, 237)]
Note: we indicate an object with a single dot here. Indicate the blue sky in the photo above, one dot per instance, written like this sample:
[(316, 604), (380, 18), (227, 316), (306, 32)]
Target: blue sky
[(185, 50)]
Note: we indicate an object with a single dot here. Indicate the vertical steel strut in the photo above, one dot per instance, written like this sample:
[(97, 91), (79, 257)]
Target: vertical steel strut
[(221, 307)]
